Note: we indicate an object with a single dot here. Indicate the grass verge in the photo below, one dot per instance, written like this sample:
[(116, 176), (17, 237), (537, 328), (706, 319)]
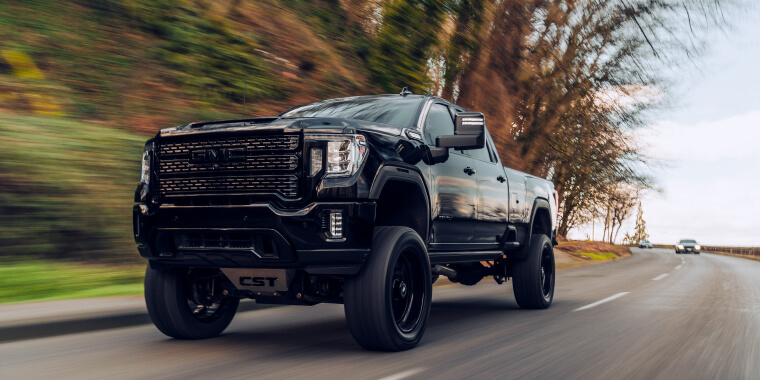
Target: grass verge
[(573, 254), (597, 256), (45, 280), (67, 189)]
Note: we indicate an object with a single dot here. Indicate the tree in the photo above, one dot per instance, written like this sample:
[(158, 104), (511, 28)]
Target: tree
[(616, 207), (564, 84), (400, 53), (628, 239), (641, 226)]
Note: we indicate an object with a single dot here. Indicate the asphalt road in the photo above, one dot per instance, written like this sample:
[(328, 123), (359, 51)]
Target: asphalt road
[(666, 316)]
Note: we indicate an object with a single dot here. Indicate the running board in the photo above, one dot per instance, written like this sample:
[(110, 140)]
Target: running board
[(463, 257)]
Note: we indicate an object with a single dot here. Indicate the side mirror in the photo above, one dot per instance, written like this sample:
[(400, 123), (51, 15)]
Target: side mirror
[(469, 132)]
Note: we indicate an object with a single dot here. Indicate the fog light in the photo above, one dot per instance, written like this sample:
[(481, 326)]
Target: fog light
[(316, 161), (336, 224)]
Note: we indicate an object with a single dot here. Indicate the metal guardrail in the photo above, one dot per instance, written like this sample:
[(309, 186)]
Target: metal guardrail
[(749, 251)]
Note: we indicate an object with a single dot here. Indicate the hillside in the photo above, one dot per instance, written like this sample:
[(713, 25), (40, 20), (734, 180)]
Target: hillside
[(83, 83), (144, 65)]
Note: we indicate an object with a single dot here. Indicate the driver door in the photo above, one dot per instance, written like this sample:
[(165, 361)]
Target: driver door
[(454, 187)]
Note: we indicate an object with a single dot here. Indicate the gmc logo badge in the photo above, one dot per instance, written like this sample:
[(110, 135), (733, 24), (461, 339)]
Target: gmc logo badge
[(258, 281), (216, 156)]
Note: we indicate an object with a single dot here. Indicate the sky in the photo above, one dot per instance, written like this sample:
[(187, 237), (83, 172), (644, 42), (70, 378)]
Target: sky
[(709, 145)]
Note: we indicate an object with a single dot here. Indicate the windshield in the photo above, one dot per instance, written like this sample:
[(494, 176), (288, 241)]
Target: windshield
[(645, 241), (688, 242), (394, 111)]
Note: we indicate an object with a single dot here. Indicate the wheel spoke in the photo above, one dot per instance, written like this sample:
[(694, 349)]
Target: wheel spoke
[(203, 300), (547, 274)]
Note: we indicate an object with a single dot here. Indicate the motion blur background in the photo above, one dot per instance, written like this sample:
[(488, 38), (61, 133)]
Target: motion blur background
[(566, 85)]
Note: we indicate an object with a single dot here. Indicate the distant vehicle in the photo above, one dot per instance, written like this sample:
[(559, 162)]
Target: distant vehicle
[(644, 243), (687, 245)]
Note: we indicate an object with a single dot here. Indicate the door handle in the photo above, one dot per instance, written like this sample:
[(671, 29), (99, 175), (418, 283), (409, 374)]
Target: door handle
[(469, 170), (501, 178)]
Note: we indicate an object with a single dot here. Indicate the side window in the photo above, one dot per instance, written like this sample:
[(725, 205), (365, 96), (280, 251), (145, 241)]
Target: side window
[(438, 122), (480, 154)]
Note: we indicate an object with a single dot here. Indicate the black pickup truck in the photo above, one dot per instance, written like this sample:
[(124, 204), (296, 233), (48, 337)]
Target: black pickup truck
[(364, 201)]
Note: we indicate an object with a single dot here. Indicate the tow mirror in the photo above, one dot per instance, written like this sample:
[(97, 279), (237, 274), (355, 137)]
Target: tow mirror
[(469, 132)]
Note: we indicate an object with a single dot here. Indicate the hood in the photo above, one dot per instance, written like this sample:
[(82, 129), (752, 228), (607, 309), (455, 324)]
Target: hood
[(283, 124)]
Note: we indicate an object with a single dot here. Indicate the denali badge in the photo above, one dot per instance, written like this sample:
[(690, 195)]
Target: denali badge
[(216, 156)]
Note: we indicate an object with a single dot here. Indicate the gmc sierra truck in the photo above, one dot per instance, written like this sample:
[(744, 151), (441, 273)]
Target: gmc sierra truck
[(363, 201)]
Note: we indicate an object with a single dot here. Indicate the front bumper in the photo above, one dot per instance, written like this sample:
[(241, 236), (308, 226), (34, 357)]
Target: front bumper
[(279, 238)]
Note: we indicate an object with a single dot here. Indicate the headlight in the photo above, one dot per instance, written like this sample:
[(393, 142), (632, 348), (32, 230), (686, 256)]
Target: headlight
[(345, 154), (697, 247), (680, 246), (146, 158)]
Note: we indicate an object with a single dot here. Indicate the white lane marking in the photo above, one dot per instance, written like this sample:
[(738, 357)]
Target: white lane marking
[(679, 266), (597, 303), (660, 277), (403, 375)]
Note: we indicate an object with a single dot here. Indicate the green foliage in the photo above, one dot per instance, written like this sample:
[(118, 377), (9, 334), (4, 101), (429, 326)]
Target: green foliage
[(400, 53), (66, 189), (78, 48), (599, 255), (205, 53), (27, 280), (113, 54)]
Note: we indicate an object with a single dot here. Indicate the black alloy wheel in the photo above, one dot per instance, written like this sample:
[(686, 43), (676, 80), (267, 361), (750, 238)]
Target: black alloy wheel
[(188, 303), (534, 276), (407, 291), (547, 273), (387, 304)]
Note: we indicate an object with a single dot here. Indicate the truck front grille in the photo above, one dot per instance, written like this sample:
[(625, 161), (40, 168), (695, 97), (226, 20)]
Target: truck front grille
[(256, 143), (257, 165), (260, 184)]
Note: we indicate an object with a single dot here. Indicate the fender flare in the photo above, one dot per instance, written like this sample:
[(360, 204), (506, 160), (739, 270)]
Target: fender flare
[(539, 203), (404, 173)]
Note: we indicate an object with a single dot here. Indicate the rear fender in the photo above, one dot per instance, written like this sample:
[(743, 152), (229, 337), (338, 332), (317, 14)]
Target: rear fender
[(540, 205)]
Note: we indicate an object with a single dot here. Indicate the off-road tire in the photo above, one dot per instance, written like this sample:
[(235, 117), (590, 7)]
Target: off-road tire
[(532, 290), (167, 302), (372, 299)]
